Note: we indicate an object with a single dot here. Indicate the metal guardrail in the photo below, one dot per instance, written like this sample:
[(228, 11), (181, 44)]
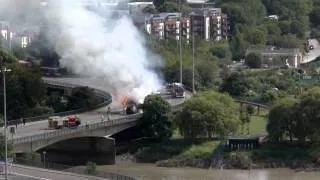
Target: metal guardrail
[(106, 96)]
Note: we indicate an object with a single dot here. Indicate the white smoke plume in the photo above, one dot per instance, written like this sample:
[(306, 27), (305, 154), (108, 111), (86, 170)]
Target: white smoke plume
[(92, 44)]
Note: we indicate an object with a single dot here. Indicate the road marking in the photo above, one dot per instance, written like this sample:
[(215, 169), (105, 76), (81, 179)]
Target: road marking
[(24, 175)]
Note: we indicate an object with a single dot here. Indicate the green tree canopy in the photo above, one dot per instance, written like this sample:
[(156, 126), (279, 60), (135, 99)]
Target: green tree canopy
[(235, 84), (156, 121), (208, 113), (24, 87), (253, 60), (81, 97), (281, 121), (296, 118)]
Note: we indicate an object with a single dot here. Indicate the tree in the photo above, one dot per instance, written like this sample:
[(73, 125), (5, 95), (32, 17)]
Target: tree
[(25, 90), (238, 45), (253, 60), (235, 84), (55, 101), (296, 118), (308, 117), (156, 121), (207, 74), (171, 5), (221, 50), (281, 120), (255, 36), (6, 58), (208, 113), (149, 9), (81, 97), (315, 16), (24, 86)]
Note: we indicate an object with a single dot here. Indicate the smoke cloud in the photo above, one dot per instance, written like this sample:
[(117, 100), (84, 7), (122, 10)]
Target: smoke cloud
[(91, 43)]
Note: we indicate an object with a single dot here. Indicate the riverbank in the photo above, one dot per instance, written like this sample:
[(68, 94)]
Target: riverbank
[(152, 172), (201, 153)]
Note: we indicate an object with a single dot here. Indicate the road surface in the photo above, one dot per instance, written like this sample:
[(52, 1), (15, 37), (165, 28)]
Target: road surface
[(32, 173)]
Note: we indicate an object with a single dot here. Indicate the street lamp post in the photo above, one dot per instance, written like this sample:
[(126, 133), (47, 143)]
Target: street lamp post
[(44, 159), (193, 85), (4, 70), (180, 42)]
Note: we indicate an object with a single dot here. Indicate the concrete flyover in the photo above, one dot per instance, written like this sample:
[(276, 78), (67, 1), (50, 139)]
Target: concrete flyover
[(93, 133)]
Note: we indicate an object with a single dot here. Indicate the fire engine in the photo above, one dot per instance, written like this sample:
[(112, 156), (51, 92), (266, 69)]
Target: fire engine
[(57, 122)]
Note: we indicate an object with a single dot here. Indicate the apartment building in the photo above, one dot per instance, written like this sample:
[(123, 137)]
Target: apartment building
[(168, 25), (207, 23), (5, 30), (17, 37)]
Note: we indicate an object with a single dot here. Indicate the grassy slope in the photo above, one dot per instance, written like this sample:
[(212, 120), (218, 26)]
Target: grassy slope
[(258, 123), (174, 148)]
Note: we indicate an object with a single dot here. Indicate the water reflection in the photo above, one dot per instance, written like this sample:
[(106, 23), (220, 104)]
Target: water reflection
[(150, 172)]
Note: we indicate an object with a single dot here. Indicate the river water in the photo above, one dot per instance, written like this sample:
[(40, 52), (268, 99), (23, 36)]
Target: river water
[(151, 172)]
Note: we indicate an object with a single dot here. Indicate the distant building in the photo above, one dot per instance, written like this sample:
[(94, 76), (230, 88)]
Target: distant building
[(5, 30), (207, 23), (275, 58), (168, 25), (210, 24)]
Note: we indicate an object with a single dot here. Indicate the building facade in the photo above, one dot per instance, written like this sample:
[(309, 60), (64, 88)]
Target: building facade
[(207, 24), (21, 37), (168, 26)]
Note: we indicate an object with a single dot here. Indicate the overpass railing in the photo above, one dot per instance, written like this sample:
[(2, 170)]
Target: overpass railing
[(106, 96)]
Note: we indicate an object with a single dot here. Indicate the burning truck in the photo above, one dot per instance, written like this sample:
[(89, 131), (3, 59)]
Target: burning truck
[(130, 106)]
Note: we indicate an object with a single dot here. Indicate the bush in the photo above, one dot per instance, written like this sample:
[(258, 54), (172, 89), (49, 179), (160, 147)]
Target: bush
[(241, 160), (253, 60), (38, 111), (91, 167)]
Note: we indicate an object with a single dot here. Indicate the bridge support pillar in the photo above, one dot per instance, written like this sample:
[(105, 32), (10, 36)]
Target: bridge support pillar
[(258, 111)]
